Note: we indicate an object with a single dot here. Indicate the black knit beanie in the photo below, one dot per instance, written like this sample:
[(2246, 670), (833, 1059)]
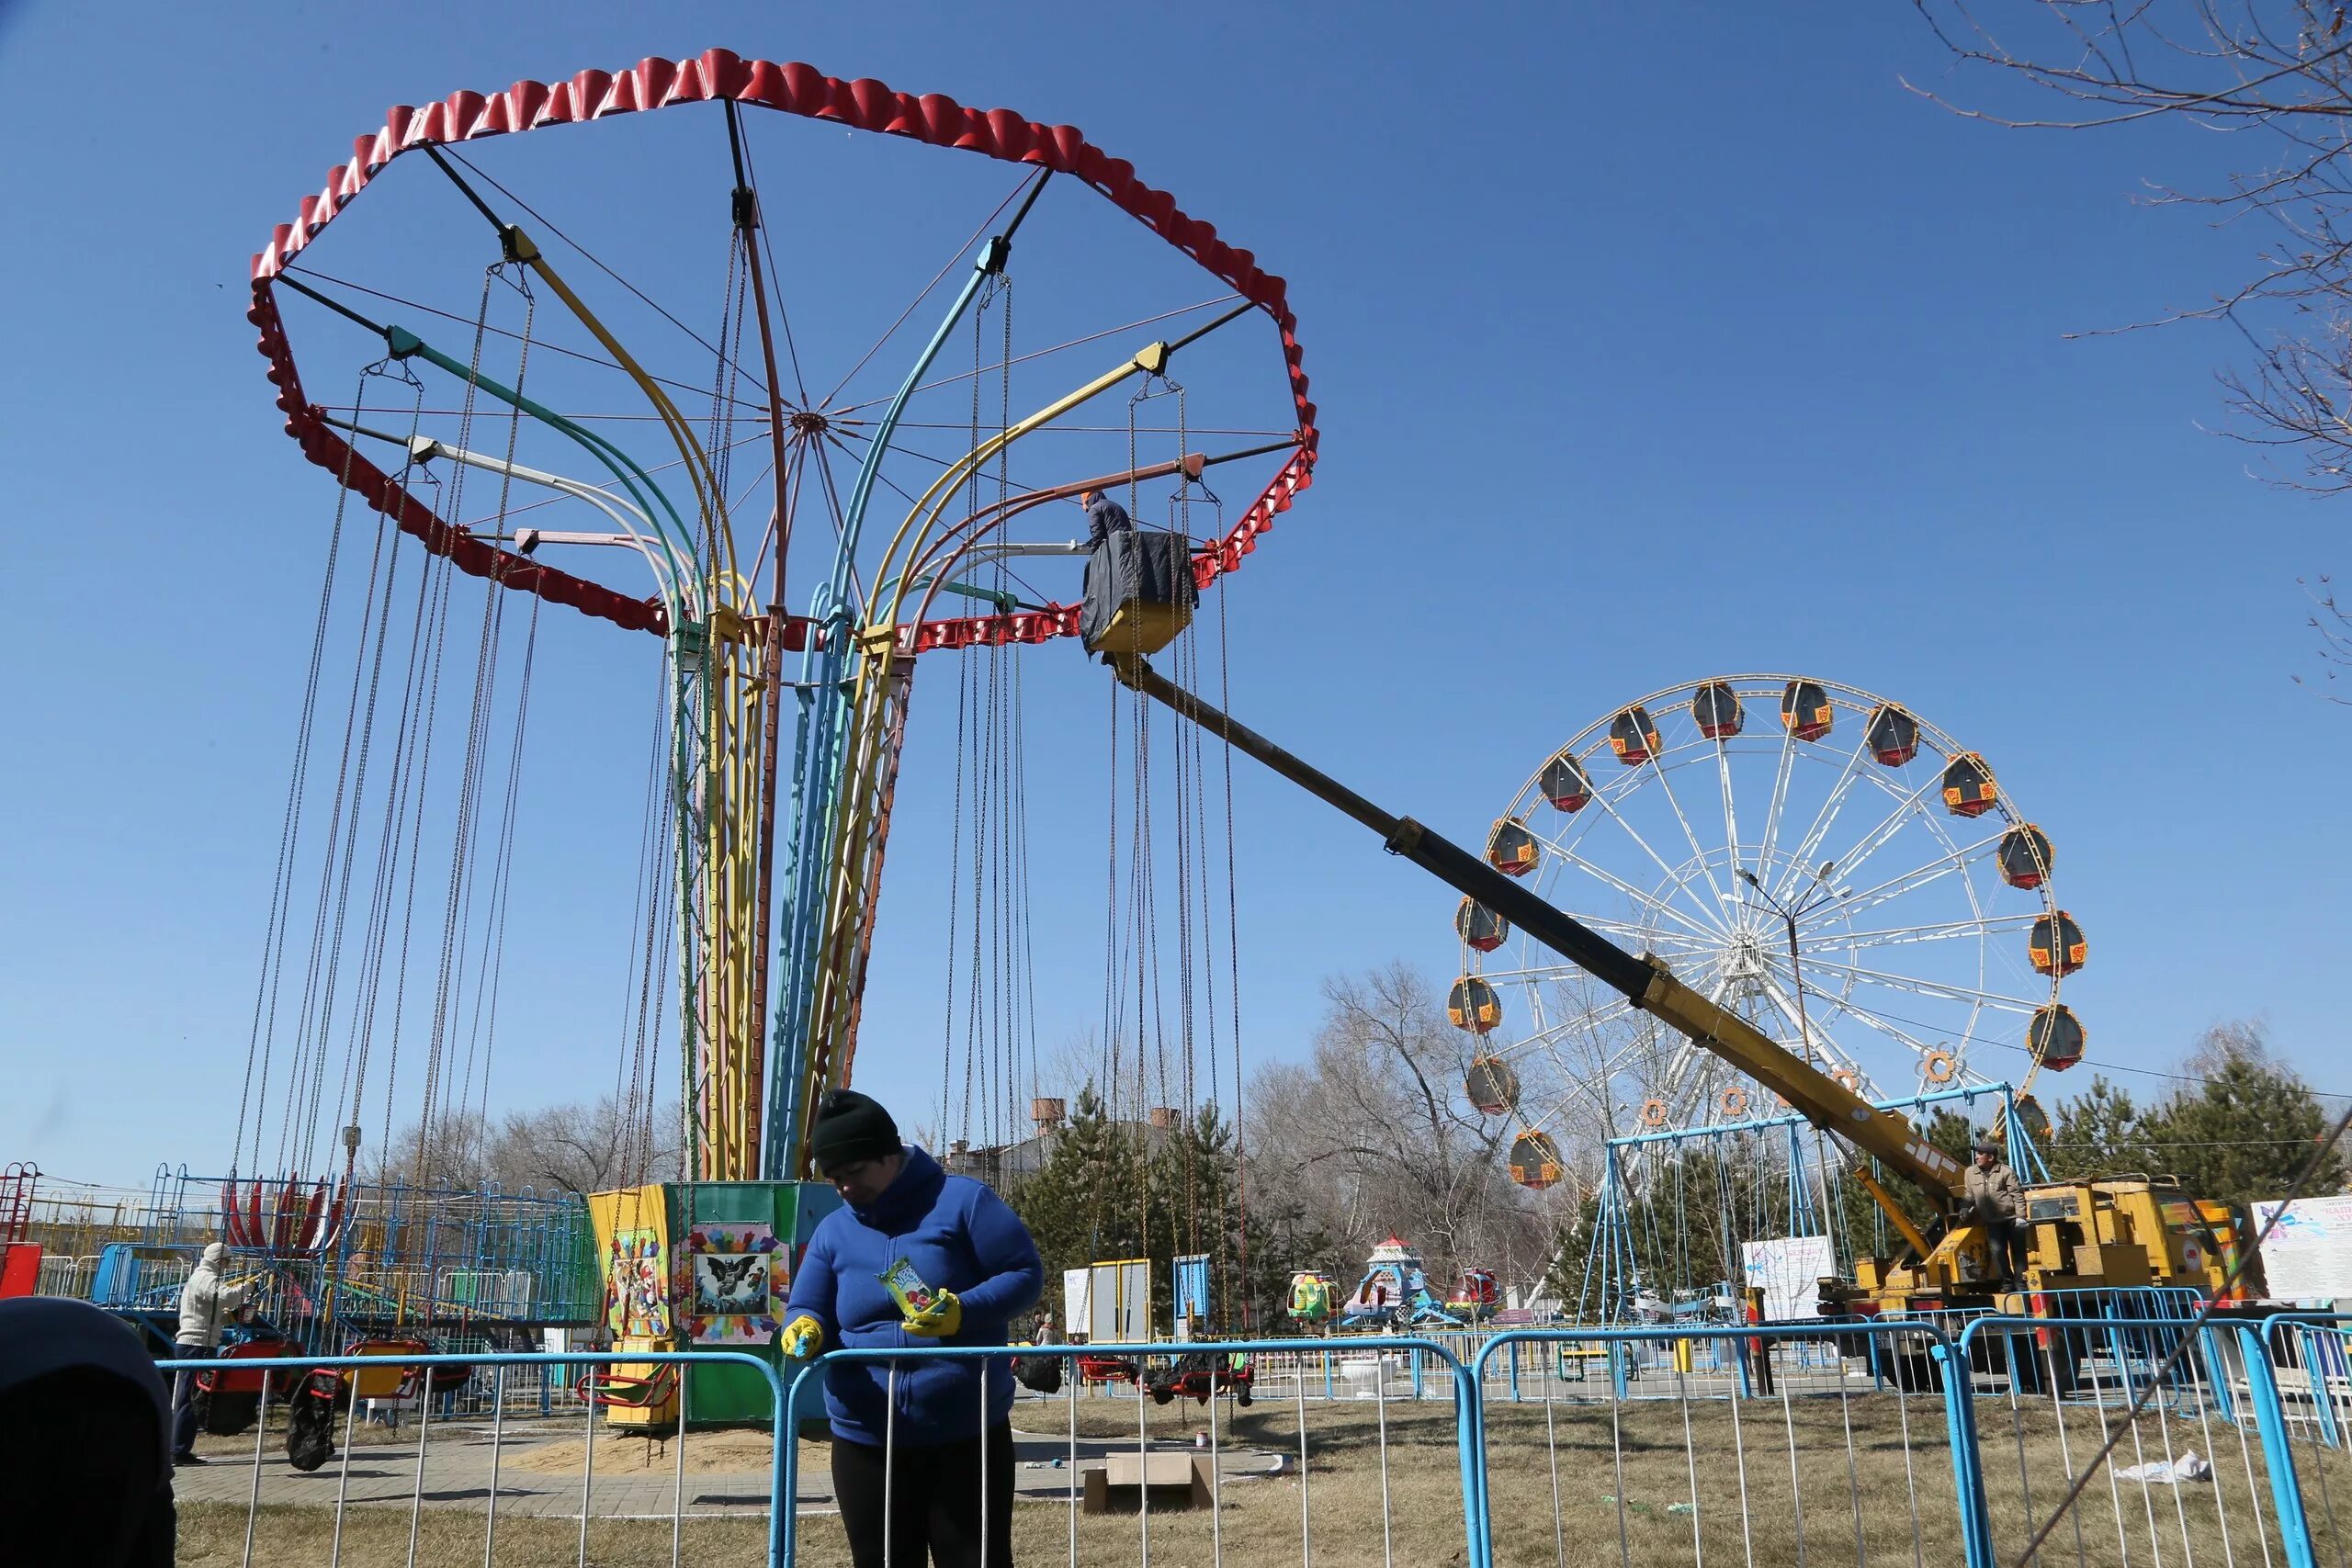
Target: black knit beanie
[(851, 1127)]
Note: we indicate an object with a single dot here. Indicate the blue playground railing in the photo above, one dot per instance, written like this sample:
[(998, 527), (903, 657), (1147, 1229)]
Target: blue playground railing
[(2265, 1380), (1466, 1394)]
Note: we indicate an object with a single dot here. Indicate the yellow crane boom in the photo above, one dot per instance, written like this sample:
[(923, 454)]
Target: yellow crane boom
[(1887, 1135)]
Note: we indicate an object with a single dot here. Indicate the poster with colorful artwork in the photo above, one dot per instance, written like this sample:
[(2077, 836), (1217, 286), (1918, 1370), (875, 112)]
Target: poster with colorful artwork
[(2307, 1259), (637, 1284), (741, 1276)]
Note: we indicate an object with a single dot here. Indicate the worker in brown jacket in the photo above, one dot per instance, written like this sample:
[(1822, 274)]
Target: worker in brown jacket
[(1996, 1199)]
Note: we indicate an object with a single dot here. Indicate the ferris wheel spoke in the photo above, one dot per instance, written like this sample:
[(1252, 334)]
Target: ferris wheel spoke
[(1697, 853), (1902, 1037), (1680, 945), (1693, 1065), (1681, 883), (1941, 989), (1640, 897), (1634, 931), (1944, 931), (1779, 797), (1819, 1040), (1790, 881), (1731, 808), (1551, 1034), (1877, 838), (1896, 886)]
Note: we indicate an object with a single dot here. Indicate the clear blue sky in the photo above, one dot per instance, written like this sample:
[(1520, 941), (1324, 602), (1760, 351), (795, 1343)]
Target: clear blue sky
[(1648, 346)]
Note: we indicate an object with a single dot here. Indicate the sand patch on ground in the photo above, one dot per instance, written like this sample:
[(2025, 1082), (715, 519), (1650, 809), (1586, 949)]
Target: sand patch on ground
[(735, 1450)]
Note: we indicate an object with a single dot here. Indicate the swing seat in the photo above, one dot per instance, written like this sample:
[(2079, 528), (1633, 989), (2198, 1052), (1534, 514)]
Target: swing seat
[(642, 1395), (389, 1382), (237, 1379), (1139, 592), (1107, 1368)]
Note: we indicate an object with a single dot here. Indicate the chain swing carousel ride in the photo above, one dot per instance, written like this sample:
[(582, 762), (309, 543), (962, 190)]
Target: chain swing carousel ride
[(1830, 866), (590, 371)]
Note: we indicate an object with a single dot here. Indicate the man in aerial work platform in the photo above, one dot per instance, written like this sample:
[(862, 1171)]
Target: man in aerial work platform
[(1104, 517), (1992, 1194)]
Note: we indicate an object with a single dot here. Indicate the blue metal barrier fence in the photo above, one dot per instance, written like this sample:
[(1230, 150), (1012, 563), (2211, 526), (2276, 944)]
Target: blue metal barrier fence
[(2272, 1377), (1477, 1538)]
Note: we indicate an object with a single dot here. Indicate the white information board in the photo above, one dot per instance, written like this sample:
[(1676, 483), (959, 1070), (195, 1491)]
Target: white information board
[(1788, 1269), (1109, 1303), (2308, 1260), (1120, 1307)]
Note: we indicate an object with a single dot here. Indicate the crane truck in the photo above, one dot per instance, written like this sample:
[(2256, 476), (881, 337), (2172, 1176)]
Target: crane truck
[(2112, 1231)]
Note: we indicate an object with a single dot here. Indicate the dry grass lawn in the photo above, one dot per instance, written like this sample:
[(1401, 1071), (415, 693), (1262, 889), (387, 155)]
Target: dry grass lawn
[(1651, 1482)]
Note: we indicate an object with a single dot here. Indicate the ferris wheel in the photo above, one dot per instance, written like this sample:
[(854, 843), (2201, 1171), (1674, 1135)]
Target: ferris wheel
[(1818, 859)]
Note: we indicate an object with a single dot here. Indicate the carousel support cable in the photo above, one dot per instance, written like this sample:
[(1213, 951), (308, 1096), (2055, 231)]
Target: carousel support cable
[(457, 909), (864, 785), (625, 470), (490, 969), (518, 246), (797, 1077), (290, 828), (405, 345), (328, 917), (746, 211)]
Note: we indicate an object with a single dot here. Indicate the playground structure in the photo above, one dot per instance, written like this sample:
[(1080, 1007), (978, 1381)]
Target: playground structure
[(1395, 1293), (1767, 1210), (476, 1266)]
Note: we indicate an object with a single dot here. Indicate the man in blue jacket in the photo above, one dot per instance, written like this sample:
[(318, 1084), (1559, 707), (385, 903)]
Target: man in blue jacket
[(923, 1449)]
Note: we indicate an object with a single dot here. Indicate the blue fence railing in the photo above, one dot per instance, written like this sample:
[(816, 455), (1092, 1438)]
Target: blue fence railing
[(2279, 1386)]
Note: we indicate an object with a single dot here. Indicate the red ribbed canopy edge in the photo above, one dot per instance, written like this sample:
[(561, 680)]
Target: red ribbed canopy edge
[(790, 88)]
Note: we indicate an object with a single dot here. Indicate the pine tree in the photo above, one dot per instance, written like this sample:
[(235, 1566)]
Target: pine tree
[(2099, 1132), (1110, 1192), (1085, 1203), (2246, 1132)]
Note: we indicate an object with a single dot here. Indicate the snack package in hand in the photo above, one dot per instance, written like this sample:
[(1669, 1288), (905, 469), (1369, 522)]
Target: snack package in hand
[(907, 1287)]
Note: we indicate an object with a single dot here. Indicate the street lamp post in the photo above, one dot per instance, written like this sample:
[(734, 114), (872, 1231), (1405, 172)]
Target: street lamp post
[(1818, 893)]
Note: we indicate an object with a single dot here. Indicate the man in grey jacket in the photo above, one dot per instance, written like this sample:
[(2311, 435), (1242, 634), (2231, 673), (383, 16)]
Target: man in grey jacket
[(208, 1302), (1104, 517), (1998, 1201)]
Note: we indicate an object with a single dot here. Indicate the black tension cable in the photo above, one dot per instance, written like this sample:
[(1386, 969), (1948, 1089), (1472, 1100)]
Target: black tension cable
[(1200, 331), (346, 311), (1000, 246), (746, 211), (480, 206)]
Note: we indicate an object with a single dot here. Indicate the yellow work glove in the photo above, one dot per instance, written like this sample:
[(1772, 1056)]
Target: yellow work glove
[(803, 1337), (943, 1316)]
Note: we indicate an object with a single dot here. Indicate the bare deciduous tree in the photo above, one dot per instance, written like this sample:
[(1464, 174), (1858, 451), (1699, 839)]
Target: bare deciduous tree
[(1372, 1135), (2278, 73), (557, 1148)]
